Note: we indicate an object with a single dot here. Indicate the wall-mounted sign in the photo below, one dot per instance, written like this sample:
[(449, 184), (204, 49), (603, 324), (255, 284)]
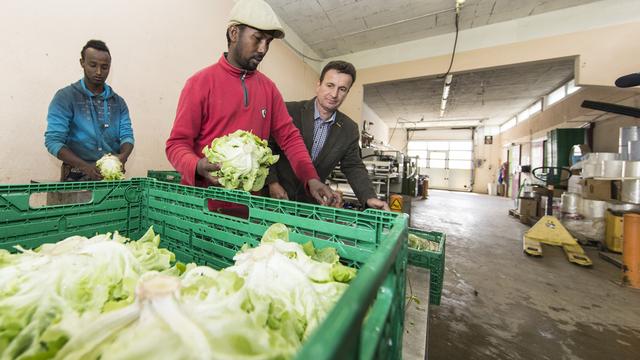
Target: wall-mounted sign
[(488, 140)]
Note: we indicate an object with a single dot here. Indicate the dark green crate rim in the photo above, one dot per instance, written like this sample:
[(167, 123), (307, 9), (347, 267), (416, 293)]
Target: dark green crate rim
[(367, 321)]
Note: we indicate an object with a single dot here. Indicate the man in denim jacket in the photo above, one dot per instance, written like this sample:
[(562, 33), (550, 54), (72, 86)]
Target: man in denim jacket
[(87, 119)]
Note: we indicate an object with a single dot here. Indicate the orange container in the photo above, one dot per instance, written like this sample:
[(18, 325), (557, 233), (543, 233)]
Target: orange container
[(425, 188), (631, 251)]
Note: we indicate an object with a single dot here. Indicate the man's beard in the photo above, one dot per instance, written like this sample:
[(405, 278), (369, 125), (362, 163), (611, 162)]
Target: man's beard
[(251, 63)]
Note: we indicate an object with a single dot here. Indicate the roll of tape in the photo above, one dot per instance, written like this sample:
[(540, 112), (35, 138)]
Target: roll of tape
[(611, 169), (588, 169), (622, 207), (630, 191), (634, 150), (601, 156), (570, 203), (573, 184), (593, 209), (631, 133), (632, 170), (599, 169)]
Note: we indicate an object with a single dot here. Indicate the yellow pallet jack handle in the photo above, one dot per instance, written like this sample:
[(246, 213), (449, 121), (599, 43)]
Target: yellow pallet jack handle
[(549, 230)]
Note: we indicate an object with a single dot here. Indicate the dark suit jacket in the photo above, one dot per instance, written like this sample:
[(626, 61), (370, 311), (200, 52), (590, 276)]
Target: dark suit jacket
[(341, 147)]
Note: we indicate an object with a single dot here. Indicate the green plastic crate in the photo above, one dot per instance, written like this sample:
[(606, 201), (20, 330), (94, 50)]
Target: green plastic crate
[(366, 323), (434, 261), (165, 175)]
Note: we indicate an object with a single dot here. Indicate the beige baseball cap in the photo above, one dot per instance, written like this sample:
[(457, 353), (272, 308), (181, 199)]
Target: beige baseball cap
[(257, 14)]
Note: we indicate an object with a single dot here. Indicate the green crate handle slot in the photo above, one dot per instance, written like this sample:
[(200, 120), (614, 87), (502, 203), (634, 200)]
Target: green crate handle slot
[(165, 175)]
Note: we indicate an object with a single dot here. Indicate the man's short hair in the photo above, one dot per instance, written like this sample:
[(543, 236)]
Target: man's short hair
[(342, 67), (95, 44)]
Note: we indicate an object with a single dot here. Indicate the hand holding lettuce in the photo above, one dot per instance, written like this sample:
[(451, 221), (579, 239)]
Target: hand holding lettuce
[(110, 167), (243, 160)]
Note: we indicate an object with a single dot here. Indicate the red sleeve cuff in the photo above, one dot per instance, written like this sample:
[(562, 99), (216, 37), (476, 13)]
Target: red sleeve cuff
[(189, 170)]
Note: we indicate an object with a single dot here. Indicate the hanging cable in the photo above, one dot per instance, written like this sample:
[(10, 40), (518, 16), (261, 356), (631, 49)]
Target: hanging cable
[(455, 41), (300, 52), (394, 129)]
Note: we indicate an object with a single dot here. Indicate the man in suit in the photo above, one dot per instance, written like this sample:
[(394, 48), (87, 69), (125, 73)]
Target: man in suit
[(330, 136)]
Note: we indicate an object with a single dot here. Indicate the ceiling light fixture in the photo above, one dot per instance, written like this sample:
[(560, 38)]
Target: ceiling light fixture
[(445, 94)]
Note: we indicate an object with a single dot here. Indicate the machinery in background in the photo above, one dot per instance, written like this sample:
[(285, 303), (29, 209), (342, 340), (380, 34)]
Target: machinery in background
[(385, 168), (390, 171), (410, 180)]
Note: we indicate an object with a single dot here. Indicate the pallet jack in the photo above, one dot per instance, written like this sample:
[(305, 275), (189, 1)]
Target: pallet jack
[(548, 230)]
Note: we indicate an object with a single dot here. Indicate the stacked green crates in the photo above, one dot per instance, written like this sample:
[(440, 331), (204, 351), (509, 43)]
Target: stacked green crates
[(165, 175), (367, 321), (432, 260)]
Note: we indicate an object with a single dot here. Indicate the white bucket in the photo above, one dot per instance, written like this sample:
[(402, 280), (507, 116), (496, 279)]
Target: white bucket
[(492, 189)]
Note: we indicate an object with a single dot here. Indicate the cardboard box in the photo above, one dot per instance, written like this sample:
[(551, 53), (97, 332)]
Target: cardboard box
[(528, 208), (604, 190)]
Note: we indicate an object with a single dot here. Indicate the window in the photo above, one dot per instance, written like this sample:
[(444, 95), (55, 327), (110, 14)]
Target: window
[(421, 154), (523, 116), (460, 155), (552, 98), (535, 108), (417, 145), (460, 164), (560, 93), (438, 154), (556, 95), (437, 164), (571, 87), (437, 159), (530, 111), (460, 145), (508, 125), (438, 145)]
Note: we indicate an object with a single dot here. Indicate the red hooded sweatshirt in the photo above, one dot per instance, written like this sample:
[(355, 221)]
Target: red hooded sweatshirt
[(221, 99)]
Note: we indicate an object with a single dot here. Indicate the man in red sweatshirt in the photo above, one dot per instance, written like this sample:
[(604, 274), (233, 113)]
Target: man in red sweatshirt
[(232, 95)]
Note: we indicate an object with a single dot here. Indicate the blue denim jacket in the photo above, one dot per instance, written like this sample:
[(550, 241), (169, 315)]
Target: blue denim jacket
[(89, 125)]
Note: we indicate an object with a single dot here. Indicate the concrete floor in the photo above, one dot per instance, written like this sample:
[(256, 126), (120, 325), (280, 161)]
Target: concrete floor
[(498, 303)]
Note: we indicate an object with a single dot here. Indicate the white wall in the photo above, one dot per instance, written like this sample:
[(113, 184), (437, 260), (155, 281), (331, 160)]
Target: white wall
[(155, 46), (378, 129), (486, 159)]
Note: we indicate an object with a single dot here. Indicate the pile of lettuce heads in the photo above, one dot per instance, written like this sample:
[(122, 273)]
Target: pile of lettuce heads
[(109, 297)]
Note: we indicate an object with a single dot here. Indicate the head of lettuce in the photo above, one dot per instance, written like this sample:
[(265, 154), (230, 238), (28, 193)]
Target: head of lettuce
[(244, 160)]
